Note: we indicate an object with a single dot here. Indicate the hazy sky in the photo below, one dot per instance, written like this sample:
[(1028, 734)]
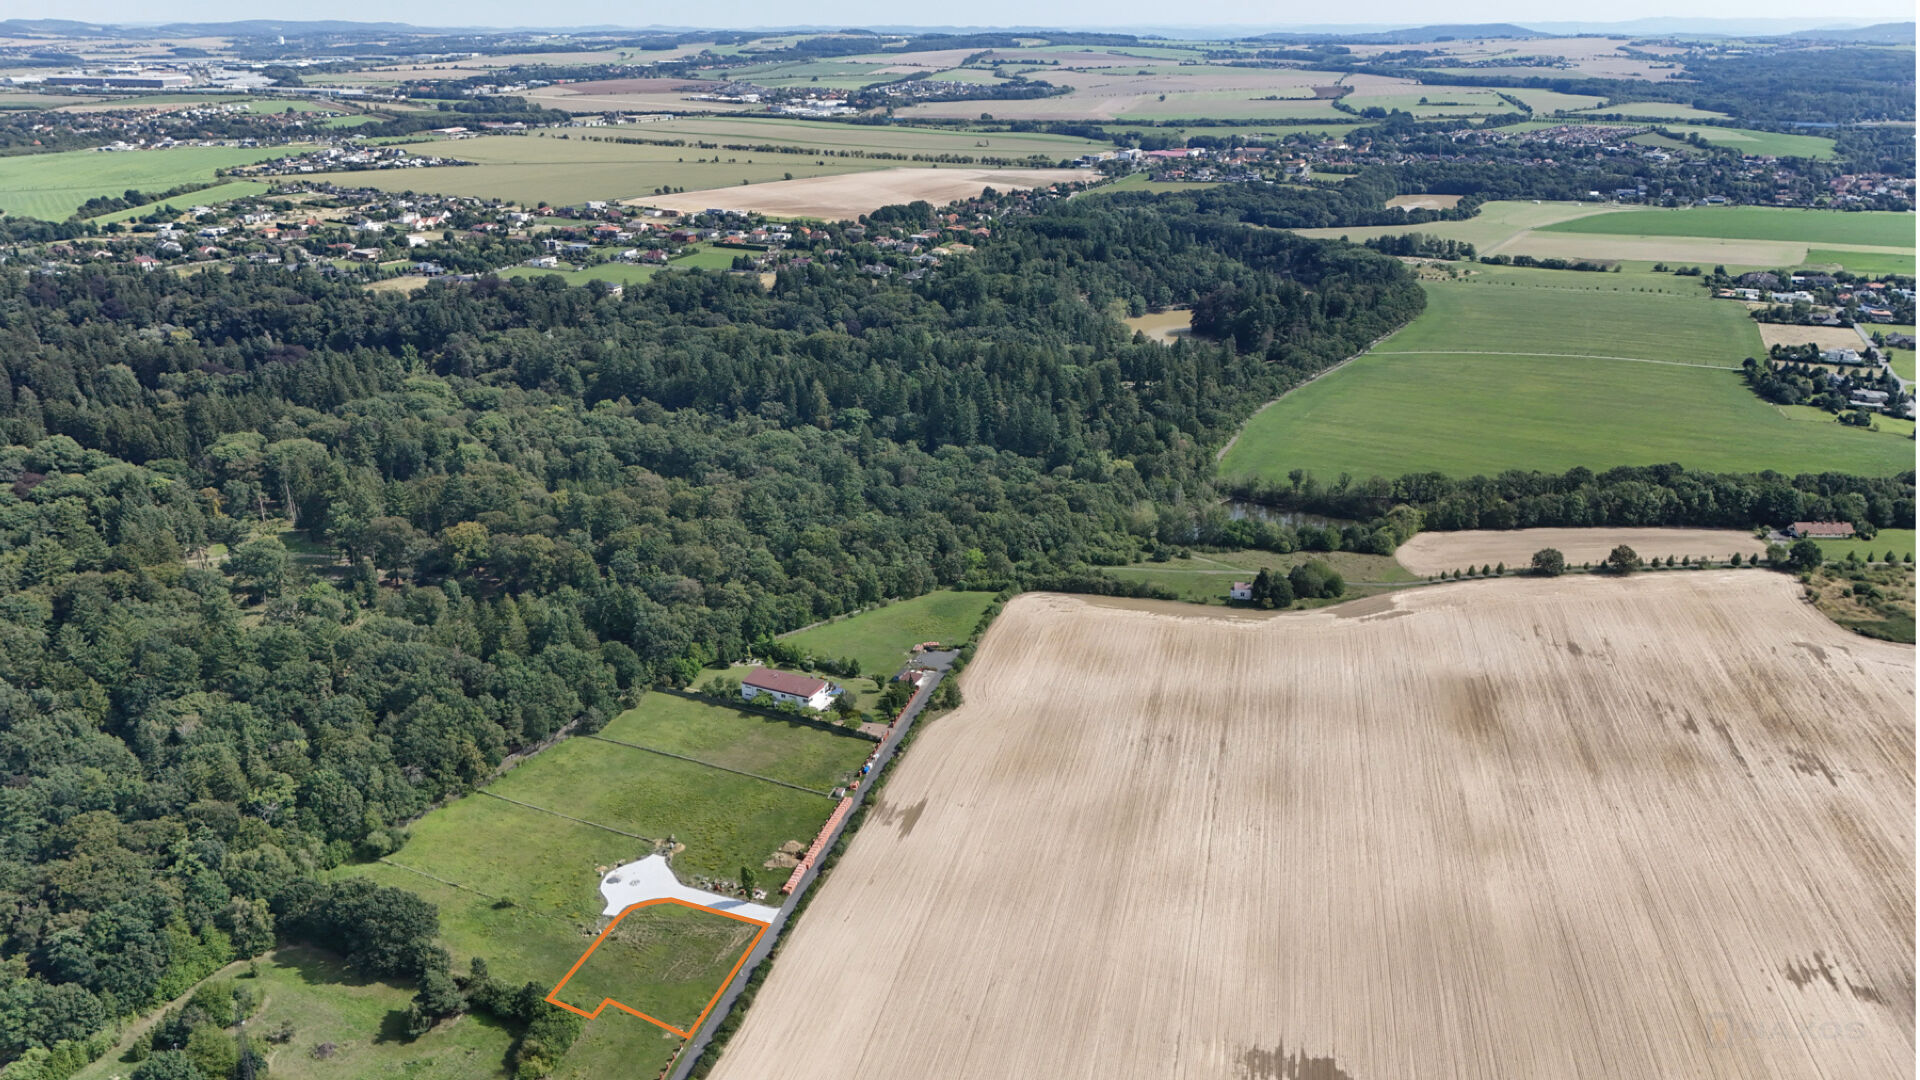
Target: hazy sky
[(1056, 13)]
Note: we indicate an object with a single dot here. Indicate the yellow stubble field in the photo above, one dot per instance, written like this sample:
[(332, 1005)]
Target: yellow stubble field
[(1578, 828)]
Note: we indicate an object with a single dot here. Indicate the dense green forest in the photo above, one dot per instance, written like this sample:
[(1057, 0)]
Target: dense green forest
[(283, 561)]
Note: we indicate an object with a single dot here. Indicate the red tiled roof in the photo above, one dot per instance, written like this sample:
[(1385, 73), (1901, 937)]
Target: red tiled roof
[(785, 682), (1823, 528)]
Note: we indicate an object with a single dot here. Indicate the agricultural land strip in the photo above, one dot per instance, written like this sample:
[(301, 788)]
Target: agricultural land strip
[(1498, 373), (1311, 875), (1439, 552), (840, 197)]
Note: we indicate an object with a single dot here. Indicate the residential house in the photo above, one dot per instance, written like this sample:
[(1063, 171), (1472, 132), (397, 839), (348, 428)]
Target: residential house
[(775, 685)]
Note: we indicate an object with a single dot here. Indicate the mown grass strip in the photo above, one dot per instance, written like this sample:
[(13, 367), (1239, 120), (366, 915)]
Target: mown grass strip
[(711, 765)]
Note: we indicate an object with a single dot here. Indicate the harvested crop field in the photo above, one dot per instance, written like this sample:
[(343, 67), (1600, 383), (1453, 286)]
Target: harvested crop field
[(835, 198), (1424, 202), (1827, 337), (1582, 828), (1439, 552)]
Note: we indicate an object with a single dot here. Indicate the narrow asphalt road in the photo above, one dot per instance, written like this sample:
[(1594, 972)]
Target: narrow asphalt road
[(1866, 340), (690, 1053)]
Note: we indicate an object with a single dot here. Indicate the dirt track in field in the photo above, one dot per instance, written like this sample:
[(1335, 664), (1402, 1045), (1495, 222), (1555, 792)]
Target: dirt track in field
[(1582, 828), (1440, 552), (836, 198)]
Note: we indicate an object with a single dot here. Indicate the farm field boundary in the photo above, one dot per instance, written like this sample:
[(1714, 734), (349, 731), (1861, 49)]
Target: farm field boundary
[(553, 996)]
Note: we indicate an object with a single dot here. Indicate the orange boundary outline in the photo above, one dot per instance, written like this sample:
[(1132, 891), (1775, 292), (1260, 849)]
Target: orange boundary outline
[(552, 995)]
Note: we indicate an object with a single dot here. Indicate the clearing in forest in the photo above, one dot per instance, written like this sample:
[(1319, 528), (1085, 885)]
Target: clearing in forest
[(1584, 828), (1867, 227), (882, 638)]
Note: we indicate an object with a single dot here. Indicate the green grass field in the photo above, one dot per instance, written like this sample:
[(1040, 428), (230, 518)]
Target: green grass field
[(1547, 101), (750, 741), (1496, 223), (1900, 359), (1898, 541), (1745, 140), (1653, 110), (527, 169), (1877, 228), (725, 820), (1874, 263), (218, 193), (364, 1020), (1761, 143), (1139, 182), (880, 638), (519, 886), (52, 186), (676, 957), (1549, 370), (867, 138), (1203, 578)]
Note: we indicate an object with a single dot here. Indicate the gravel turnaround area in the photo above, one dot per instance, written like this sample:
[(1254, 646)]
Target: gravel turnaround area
[(1574, 828)]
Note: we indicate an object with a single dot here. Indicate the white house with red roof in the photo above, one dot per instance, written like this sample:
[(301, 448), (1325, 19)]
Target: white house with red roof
[(802, 690)]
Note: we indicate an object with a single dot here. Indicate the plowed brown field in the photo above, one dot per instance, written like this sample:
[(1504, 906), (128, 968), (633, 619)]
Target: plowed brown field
[(1581, 828)]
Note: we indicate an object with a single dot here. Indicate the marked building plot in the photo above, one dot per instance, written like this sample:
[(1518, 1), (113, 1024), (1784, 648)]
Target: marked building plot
[(667, 940), (1361, 842)]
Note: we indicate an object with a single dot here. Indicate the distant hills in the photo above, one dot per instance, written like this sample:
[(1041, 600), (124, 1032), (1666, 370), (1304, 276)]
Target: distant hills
[(1893, 33), (1417, 35)]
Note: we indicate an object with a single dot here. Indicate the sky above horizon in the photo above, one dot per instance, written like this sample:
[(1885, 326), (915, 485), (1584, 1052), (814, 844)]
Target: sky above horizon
[(1074, 14)]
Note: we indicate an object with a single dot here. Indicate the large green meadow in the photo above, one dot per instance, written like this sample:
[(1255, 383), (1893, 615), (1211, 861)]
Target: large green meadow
[(529, 169), (859, 139), (1549, 370), (1870, 227), (1897, 541), (218, 193), (52, 186)]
